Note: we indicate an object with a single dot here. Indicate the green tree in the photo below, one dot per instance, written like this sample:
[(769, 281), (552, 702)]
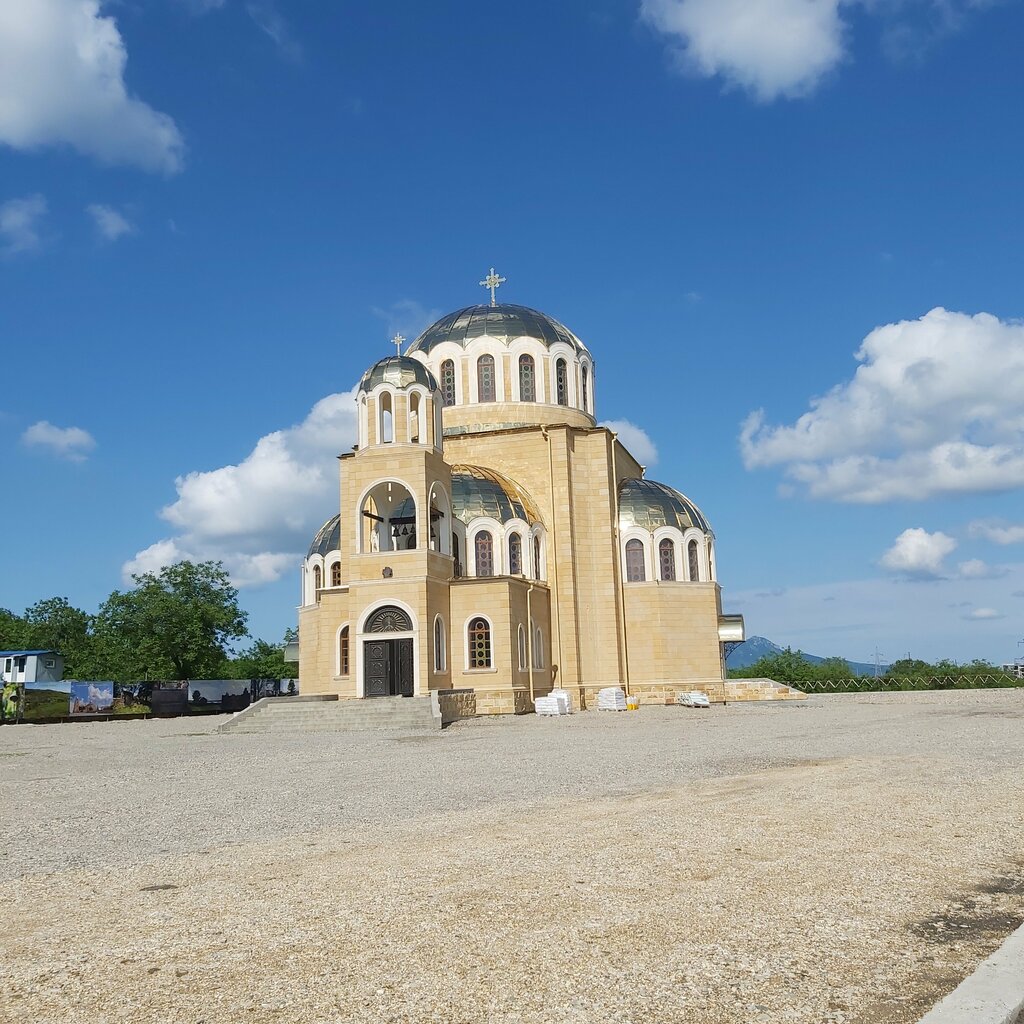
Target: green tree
[(56, 625), (175, 624), (13, 631), (263, 660)]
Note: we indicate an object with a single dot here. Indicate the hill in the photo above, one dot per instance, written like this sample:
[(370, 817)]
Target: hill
[(758, 647)]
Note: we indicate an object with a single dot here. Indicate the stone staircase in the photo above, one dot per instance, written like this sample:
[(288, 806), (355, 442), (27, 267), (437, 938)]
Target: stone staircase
[(281, 715)]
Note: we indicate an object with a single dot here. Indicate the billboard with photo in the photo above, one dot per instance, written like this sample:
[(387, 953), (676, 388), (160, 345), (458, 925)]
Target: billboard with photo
[(91, 698)]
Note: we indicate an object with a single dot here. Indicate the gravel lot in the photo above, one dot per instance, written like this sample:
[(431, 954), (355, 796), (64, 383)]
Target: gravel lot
[(845, 859)]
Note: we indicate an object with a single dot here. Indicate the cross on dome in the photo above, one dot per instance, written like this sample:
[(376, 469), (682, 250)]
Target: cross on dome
[(492, 281), (398, 341)]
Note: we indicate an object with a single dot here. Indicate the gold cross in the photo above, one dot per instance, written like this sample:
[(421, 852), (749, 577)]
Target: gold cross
[(492, 281), (398, 341)]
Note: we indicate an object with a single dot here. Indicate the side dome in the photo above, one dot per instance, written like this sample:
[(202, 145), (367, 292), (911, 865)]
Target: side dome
[(399, 371), (503, 322), (478, 492), (650, 505), (327, 538)]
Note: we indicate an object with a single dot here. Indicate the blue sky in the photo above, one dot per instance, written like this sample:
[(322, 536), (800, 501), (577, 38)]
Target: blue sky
[(213, 215)]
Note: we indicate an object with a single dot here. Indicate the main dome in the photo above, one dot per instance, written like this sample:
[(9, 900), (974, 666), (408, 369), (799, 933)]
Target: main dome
[(503, 321)]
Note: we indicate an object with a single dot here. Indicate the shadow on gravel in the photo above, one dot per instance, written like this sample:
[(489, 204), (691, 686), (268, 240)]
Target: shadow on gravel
[(983, 916)]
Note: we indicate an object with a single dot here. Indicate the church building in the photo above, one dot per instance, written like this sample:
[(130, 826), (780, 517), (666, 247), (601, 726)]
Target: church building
[(493, 542)]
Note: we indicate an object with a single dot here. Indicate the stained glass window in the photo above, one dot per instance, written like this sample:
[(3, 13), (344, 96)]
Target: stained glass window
[(561, 382), (479, 643), (694, 561), (448, 382), (667, 557), (585, 375), (317, 577), (343, 652), (336, 574), (485, 378), (635, 572), (484, 554), (515, 554), (527, 379)]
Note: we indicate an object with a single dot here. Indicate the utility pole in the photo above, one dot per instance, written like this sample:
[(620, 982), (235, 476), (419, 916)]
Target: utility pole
[(878, 663)]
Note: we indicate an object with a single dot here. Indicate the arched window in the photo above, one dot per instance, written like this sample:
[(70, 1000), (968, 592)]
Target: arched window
[(336, 574), (484, 554), (522, 647), (343, 651), (414, 418), (527, 379), (387, 422), (538, 648), (691, 551), (318, 578), (448, 382), (515, 554), (561, 382), (635, 572), (439, 645), (389, 619), (479, 643), (455, 555), (536, 556), (667, 558), (485, 379), (585, 377)]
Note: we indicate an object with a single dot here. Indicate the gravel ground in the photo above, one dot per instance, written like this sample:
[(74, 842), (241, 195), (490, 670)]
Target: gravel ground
[(847, 859)]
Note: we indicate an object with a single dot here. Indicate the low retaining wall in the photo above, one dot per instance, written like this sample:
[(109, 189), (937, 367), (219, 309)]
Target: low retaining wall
[(456, 704), (761, 689)]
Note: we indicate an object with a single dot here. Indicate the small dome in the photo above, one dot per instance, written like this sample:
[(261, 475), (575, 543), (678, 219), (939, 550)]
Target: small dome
[(650, 505), (503, 321), (328, 537), (399, 371), (482, 492)]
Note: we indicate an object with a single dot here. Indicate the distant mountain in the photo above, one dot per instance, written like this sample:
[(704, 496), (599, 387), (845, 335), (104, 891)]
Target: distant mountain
[(758, 647)]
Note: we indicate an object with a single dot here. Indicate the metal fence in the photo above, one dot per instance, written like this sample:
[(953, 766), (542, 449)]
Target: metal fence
[(892, 683)]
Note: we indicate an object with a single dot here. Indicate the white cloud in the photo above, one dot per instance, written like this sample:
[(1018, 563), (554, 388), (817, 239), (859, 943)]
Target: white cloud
[(936, 408), (770, 48), (976, 569), (19, 224), (62, 83), (997, 532), (981, 614), (266, 15), (636, 440), (258, 516), (110, 223), (918, 554), (72, 443)]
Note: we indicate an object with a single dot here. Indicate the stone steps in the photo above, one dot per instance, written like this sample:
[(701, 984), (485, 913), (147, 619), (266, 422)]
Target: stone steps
[(381, 714)]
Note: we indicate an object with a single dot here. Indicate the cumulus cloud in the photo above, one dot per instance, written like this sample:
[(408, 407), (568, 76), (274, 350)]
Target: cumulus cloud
[(771, 48), (19, 224), (918, 554), (71, 443), (259, 515), (62, 83), (110, 224), (998, 532), (785, 48), (936, 408), (976, 569), (636, 440)]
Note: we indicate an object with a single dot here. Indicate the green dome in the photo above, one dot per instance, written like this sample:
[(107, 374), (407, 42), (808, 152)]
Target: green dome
[(400, 371), (650, 505)]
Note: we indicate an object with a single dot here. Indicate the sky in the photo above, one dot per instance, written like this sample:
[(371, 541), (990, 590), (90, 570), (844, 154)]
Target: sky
[(788, 230)]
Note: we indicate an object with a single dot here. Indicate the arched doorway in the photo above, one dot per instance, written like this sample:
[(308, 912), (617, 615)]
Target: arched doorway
[(388, 660)]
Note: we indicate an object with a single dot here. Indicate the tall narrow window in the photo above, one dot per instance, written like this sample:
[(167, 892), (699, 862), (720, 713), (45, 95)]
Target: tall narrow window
[(448, 382), (522, 647), (585, 377), (527, 379), (667, 558), (485, 379), (439, 645), (318, 578), (455, 555), (336, 574), (484, 554), (414, 418), (536, 556), (387, 420), (635, 561), (538, 648), (691, 551), (561, 382), (515, 554), (343, 651), (479, 643)]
